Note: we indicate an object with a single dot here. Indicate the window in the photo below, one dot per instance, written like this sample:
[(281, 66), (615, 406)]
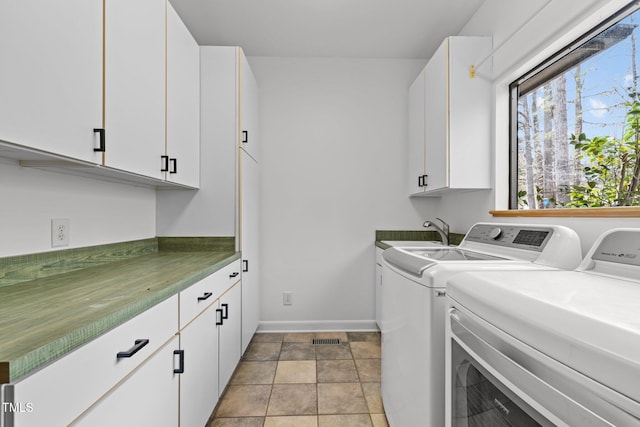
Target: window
[(575, 123)]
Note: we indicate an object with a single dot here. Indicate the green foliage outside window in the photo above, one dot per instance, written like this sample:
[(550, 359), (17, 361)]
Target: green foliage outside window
[(578, 124)]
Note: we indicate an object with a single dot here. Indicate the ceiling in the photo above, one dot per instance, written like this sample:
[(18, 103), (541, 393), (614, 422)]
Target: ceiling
[(327, 28)]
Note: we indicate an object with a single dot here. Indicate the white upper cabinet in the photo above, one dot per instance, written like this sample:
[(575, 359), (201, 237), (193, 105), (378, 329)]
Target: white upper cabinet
[(249, 119), (183, 103), (450, 110), (51, 75), (135, 85), (416, 135), (106, 82)]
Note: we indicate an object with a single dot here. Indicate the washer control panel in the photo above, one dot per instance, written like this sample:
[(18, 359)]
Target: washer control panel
[(533, 238)]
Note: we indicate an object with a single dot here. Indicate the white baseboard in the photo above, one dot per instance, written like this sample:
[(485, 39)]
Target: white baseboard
[(319, 326)]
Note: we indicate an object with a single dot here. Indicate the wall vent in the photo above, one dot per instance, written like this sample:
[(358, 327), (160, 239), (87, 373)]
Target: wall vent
[(325, 341)]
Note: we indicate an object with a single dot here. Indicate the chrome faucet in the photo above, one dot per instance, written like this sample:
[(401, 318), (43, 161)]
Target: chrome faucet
[(443, 232)]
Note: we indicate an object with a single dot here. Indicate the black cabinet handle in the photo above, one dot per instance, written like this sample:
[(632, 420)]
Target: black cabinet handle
[(138, 344), (234, 274), (103, 142), (245, 136), (165, 164), (245, 265), (226, 311), (205, 296), (219, 316), (174, 165), (180, 369), (422, 180)]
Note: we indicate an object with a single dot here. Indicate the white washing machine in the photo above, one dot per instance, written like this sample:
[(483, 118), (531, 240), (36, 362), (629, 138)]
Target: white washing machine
[(551, 348), (413, 307)]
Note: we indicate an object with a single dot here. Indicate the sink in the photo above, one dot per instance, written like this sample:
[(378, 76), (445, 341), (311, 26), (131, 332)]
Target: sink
[(450, 254), (412, 243)]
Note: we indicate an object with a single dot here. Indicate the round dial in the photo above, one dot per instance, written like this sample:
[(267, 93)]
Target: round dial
[(495, 233)]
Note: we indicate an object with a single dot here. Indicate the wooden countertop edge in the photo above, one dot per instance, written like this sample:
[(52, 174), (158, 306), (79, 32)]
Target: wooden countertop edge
[(617, 212)]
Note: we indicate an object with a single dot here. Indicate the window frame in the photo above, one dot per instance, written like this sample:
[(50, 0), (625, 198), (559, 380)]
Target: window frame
[(538, 70)]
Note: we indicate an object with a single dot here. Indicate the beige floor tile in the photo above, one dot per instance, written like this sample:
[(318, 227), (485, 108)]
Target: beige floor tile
[(293, 399), (379, 420), (337, 371), (280, 379), (244, 401), (358, 420), (365, 350), (295, 371), (263, 351), (267, 337), (341, 335), (296, 421), (237, 422), (341, 351), (305, 337), (255, 372), (368, 370), (297, 351), (373, 397), (341, 398), (364, 336)]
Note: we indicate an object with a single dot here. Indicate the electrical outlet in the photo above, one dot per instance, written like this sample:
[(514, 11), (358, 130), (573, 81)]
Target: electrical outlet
[(287, 298), (59, 232)]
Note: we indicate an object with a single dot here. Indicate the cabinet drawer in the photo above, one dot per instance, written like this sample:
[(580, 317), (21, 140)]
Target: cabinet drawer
[(201, 295), (61, 391)]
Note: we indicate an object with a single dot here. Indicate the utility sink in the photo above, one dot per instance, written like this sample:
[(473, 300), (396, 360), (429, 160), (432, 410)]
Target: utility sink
[(412, 243)]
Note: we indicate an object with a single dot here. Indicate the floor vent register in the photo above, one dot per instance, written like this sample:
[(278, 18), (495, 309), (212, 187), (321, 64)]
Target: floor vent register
[(325, 341)]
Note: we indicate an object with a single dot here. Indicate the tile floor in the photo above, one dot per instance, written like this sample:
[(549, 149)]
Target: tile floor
[(285, 381)]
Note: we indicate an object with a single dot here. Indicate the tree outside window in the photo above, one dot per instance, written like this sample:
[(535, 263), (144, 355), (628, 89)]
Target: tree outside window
[(578, 125)]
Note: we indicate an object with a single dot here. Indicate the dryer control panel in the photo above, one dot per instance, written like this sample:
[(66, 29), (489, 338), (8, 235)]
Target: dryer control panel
[(621, 246)]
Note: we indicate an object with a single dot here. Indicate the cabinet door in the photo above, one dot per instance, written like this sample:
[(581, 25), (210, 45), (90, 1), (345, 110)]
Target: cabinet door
[(416, 134), (249, 232), (149, 397), (51, 75), (61, 391), (470, 120), (229, 334), (437, 119), (199, 381), (183, 102), (249, 110), (378, 285), (135, 85)]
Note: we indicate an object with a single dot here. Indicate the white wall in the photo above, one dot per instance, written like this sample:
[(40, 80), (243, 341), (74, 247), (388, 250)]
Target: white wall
[(524, 38), (333, 164), (99, 212)]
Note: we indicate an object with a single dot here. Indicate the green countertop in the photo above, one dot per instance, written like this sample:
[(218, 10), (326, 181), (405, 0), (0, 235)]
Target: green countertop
[(45, 318), (413, 235)]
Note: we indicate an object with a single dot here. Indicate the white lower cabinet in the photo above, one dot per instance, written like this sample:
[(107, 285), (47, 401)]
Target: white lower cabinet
[(204, 335), (378, 292), (165, 367), (148, 397), (250, 245), (64, 389), (199, 381), (229, 334)]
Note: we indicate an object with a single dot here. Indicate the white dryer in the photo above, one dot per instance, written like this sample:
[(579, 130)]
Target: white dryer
[(413, 307), (552, 348)]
